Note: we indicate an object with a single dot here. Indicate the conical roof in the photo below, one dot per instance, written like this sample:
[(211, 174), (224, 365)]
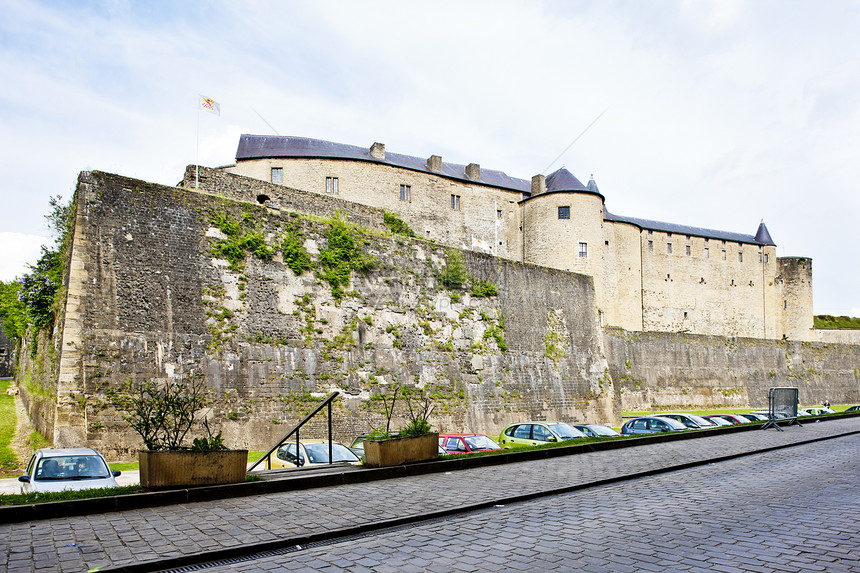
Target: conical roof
[(762, 236), (592, 185), (563, 180)]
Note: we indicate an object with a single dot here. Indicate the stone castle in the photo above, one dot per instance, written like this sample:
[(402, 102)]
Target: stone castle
[(648, 275), (150, 295)]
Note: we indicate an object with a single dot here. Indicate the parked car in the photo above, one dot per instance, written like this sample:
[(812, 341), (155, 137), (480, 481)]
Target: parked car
[(311, 452), (466, 443), (357, 445), (730, 418), (67, 469), (754, 416), (536, 433), (852, 409), (814, 411), (690, 420), (651, 425), (596, 430)]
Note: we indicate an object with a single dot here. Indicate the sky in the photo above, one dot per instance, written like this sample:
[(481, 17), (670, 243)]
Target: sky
[(715, 114)]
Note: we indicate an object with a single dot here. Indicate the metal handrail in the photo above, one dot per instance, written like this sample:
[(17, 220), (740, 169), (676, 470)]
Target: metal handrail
[(295, 430)]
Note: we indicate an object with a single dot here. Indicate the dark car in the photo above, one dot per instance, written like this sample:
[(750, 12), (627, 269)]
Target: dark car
[(651, 425), (852, 409), (596, 430)]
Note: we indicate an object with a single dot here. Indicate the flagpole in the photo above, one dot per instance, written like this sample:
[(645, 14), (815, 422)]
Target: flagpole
[(197, 158)]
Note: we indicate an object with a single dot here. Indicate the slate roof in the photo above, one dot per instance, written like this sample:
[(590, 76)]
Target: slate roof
[(261, 146), (266, 146)]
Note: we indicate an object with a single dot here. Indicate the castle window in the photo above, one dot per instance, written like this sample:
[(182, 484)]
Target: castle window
[(406, 193), (668, 248), (583, 249), (724, 254), (455, 202), (277, 174), (688, 250), (650, 246), (765, 257), (331, 185), (650, 232), (740, 257), (759, 256), (706, 239), (785, 305), (564, 212), (688, 238), (668, 234), (498, 213), (707, 253)]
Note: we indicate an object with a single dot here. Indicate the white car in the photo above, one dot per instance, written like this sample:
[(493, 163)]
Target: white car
[(67, 469)]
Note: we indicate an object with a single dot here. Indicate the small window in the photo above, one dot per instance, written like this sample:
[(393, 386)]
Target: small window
[(668, 248), (765, 257), (455, 202), (759, 257), (688, 250), (498, 213), (724, 254), (331, 185), (707, 253), (706, 239), (650, 246), (583, 249), (650, 232), (740, 257), (688, 237), (785, 305), (668, 234), (564, 212), (277, 174), (406, 193)]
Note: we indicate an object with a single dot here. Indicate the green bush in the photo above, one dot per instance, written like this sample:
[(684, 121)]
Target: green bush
[(397, 225), (454, 275), (482, 288), (295, 255)]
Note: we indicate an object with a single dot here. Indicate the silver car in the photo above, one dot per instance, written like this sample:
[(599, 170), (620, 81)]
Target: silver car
[(651, 425), (690, 420), (67, 469)]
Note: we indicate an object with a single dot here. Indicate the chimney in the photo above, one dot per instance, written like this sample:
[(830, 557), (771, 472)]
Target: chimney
[(538, 184), (377, 151), (434, 163), (473, 171)]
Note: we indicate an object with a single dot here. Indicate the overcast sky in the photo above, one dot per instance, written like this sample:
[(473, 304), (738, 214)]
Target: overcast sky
[(718, 114)]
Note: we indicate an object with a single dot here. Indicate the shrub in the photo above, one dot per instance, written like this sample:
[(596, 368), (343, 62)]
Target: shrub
[(454, 274), (482, 288), (397, 225)]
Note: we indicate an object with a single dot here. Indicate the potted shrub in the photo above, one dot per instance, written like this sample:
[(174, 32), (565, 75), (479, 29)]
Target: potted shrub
[(416, 442), (163, 414)]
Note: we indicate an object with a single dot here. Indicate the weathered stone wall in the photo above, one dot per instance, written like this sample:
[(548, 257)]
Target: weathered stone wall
[(662, 371), (152, 302), (484, 218)]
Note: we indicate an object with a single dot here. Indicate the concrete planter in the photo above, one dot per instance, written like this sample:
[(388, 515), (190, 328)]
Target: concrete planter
[(398, 451), (183, 468)]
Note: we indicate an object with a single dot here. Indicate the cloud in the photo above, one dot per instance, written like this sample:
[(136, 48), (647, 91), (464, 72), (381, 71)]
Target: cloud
[(18, 251)]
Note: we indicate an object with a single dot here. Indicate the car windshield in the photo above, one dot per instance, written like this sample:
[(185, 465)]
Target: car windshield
[(602, 430), (71, 468), (477, 443), (565, 431), (318, 453)]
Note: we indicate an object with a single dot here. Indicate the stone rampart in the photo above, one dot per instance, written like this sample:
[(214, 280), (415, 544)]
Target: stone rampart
[(655, 370), (154, 302)]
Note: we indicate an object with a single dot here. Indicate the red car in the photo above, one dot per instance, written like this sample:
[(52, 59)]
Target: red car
[(466, 443)]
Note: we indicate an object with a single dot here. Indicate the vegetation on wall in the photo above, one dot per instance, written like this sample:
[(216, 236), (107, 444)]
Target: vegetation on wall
[(397, 225), (342, 255), (239, 244), (829, 321), (454, 274), (292, 246)]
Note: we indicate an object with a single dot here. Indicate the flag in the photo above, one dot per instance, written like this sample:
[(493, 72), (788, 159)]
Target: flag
[(210, 105)]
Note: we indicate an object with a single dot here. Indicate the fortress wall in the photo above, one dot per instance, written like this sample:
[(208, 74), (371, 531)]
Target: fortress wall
[(837, 336), (154, 304), (621, 276), (794, 302), (664, 371), (428, 212), (708, 292)]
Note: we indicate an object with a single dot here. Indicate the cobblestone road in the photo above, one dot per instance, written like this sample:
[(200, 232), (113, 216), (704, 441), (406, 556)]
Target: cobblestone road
[(112, 539), (788, 510)]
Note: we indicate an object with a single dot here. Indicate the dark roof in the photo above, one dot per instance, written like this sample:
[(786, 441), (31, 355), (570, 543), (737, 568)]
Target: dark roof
[(687, 230), (263, 146), (260, 146), (563, 180)]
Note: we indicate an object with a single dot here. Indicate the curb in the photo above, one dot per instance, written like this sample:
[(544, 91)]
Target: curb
[(70, 508)]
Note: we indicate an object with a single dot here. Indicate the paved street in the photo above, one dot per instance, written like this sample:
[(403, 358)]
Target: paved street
[(789, 509)]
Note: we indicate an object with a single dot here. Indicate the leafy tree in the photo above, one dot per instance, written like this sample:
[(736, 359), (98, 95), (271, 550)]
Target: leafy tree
[(13, 314)]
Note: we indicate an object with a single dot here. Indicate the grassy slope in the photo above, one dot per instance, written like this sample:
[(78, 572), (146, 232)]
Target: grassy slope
[(828, 321), (8, 459)]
